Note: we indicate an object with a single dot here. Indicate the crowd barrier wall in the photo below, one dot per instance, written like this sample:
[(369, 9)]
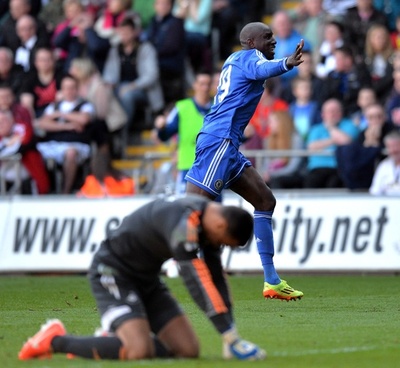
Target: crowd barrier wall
[(314, 232)]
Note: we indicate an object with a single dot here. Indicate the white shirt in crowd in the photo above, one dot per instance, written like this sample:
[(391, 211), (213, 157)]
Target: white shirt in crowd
[(386, 180)]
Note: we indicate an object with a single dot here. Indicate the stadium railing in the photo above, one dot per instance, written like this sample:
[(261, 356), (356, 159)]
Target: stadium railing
[(153, 177), (6, 163)]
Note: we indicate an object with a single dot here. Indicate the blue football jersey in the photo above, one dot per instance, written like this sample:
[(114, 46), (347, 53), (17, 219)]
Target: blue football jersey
[(239, 91)]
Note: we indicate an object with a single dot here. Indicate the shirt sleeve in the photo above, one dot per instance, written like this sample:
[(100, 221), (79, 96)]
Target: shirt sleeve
[(257, 67), (172, 126), (88, 108), (209, 293)]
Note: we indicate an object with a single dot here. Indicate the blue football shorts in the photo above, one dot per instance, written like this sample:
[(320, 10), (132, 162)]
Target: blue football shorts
[(218, 164)]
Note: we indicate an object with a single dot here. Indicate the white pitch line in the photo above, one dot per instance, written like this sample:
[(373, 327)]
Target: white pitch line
[(325, 351)]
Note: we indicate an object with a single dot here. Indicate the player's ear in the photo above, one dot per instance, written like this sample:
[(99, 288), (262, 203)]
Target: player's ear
[(250, 43)]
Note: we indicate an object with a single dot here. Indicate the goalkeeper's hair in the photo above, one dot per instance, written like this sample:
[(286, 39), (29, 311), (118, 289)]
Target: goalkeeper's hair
[(240, 223)]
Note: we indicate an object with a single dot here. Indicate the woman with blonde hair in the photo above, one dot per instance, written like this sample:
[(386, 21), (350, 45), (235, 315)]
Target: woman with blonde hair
[(110, 116), (379, 59), (283, 171)]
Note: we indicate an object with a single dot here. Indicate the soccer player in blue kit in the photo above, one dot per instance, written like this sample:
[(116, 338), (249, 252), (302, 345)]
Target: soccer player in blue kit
[(219, 164)]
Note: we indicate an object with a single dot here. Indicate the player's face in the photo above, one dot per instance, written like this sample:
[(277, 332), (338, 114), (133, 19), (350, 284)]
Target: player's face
[(265, 42), (6, 98), (217, 236), (69, 89), (222, 238)]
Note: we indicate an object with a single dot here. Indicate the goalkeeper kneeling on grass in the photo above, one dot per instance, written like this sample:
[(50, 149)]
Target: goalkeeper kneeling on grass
[(140, 318)]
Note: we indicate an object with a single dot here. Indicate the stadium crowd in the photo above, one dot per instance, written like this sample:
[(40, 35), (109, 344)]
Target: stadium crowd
[(79, 77)]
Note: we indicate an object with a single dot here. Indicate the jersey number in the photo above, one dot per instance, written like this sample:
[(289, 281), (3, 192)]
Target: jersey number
[(224, 84)]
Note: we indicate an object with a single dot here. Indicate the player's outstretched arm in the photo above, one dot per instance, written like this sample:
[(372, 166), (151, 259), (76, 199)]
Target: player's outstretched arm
[(295, 59), (235, 347)]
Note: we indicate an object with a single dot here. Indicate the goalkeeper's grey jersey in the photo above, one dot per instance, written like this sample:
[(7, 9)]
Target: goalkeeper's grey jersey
[(167, 228)]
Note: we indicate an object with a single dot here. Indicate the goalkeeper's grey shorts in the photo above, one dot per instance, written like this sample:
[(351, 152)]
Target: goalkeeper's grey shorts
[(120, 298)]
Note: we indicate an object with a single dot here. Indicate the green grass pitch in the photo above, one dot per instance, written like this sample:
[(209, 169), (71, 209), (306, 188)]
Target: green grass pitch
[(343, 321)]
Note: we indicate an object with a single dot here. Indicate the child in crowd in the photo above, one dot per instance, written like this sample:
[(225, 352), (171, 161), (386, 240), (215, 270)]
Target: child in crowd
[(366, 97), (283, 171), (303, 109)]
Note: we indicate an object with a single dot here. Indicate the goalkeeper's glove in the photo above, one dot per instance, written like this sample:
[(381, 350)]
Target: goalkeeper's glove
[(235, 347)]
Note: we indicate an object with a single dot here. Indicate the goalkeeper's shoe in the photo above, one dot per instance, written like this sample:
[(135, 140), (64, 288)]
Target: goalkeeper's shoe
[(281, 291), (243, 350), (39, 345)]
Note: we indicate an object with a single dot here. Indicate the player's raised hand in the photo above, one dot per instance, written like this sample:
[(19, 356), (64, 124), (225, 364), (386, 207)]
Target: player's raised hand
[(295, 59)]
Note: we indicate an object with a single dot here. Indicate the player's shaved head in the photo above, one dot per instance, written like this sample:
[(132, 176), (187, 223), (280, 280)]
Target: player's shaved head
[(250, 31)]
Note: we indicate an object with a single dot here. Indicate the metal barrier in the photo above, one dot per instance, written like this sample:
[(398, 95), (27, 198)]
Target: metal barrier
[(148, 170), (5, 163), (260, 155)]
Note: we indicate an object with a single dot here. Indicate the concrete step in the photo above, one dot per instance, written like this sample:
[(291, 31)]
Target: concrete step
[(141, 150), (135, 164)]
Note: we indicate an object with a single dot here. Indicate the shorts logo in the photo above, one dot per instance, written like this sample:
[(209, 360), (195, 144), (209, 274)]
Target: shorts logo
[(219, 184)]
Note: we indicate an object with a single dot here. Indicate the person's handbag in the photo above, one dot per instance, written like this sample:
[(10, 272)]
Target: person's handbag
[(116, 117)]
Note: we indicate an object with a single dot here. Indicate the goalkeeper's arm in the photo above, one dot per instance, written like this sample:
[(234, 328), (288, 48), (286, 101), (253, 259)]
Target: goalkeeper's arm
[(205, 293)]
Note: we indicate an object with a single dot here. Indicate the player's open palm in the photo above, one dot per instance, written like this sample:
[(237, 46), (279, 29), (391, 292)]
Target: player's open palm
[(295, 59)]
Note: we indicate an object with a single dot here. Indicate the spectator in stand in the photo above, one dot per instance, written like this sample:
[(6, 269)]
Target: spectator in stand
[(285, 171), (185, 121), (225, 17), (357, 161), (132, 68), (386, 180), (391, 9), (378, 59), (366, 97), (303, 110), (258, 129), (309, 19), (306, 70), (29, 42), (338, 8), (93, 89), (393, 101), (105, 180), (69, 40), (40, 86), (8, 30), (197, 15), (333, 39), (79, 39), (345, 81), (67, 139), (10, 73), (333, 131), (357, 21), (166, 32), (115, 12), (17, 137), (286, 37)]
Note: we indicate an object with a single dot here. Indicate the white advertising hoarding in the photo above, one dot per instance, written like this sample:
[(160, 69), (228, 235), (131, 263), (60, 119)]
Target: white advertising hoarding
[(311, 234)]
